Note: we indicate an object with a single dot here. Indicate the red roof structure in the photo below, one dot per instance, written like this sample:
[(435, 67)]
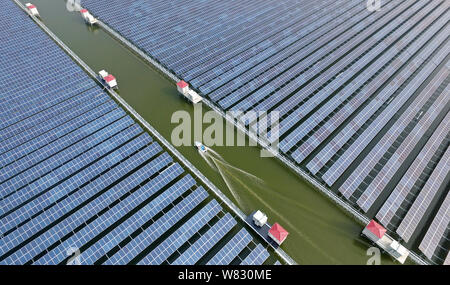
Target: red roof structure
[(376, 229), (31, 6), (109, 78), (182, 84), (83, 11), (278, 232)]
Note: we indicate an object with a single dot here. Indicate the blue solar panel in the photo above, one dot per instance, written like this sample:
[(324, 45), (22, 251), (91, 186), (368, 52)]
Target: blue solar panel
[(358, 145), (142, 216), (119, 211), (257, 256), (91, 209), (334, 117), (159, 227), (49, 163), (63, 190), (232, 249), (197, 250), (166, 248)]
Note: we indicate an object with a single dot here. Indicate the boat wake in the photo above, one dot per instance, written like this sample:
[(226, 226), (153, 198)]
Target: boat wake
[(233, 175)]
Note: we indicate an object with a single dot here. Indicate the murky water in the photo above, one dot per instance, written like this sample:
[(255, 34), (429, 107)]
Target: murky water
[(320, 233)]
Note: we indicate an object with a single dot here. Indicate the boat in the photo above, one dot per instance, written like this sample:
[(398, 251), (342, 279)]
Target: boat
[(201, 147)]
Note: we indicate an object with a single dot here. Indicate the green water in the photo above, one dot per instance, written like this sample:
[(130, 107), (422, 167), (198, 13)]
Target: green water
[(320, 233)]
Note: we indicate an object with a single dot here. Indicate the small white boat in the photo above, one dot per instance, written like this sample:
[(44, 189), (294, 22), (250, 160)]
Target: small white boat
[(200, 147)]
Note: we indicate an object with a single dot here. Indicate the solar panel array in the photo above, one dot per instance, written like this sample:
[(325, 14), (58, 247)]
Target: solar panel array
[(256, 257), (78, 173), (405, 191), (359, 93), (437, 230), (417, 210), (231, 250)]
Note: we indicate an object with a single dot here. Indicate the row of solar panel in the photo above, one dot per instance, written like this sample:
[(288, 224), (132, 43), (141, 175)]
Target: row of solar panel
[(320, 59), (403, 189), (251, 12), (417, 107), (382, 98), (428, 193), (413, 76), (339, 36), (303, 102), (301, 30), (405, 149), (436, 232), (374, 51), (77, 171), (297, 44), (366, 90), (95, 6)]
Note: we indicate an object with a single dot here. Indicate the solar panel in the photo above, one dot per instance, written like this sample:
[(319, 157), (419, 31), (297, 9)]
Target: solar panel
[(417, 210), (359, 144), (363, 82), (46, 162), (166, 248), (119, 211), (352, 183), (375, 49), (406, 184), (339, 140), (157, 229), (56, 210), (88, 211), (197, 250), (256, 257), (136, 221), (232, 249), (436, 231), (404, 150)]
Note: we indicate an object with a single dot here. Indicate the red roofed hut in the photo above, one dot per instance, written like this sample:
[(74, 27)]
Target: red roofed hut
[(278, 233), (374, 231), (183, 87), (32, 9)]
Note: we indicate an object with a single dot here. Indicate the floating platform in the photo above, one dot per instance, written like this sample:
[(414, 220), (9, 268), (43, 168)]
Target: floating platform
[(377, 234), (188, 93), (262, 231), (32, 9), (88, 18)]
